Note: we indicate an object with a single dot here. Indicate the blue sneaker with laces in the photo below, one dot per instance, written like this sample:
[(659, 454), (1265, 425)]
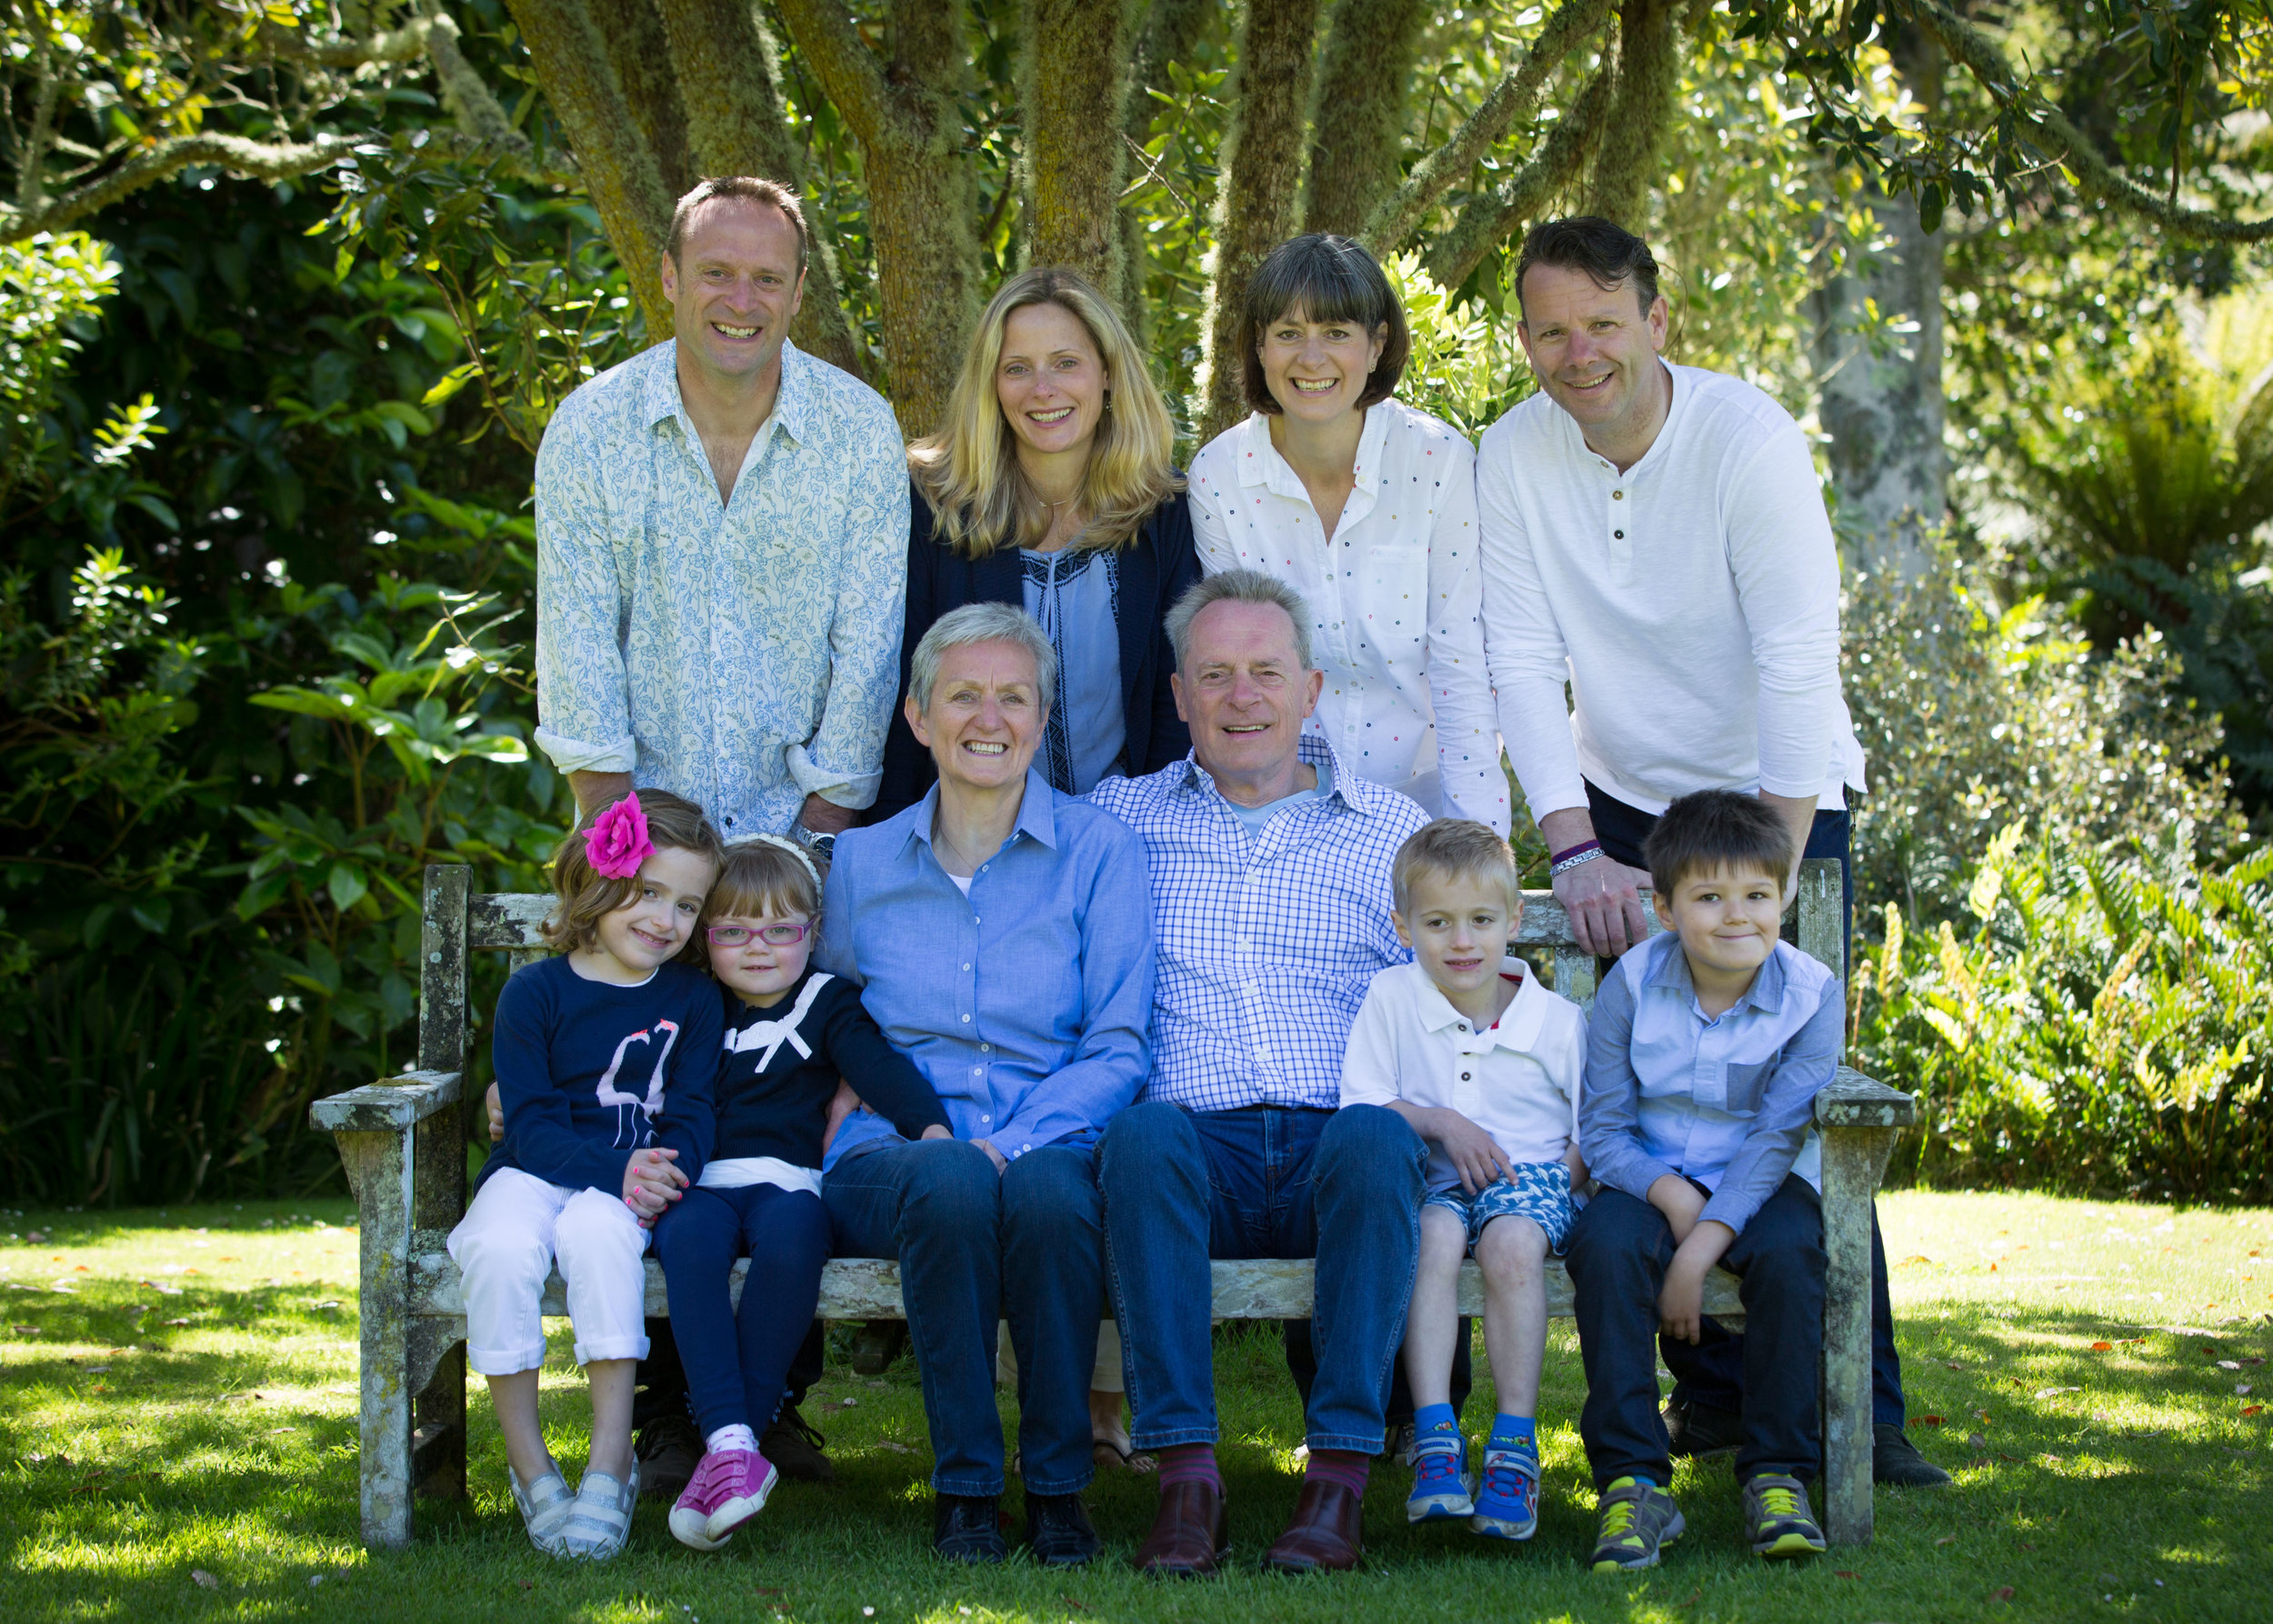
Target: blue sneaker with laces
[(1443, 1487), (1507, 1507)]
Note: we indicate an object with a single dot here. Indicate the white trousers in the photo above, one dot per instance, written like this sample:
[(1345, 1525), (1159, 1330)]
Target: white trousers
[(518, 1227)]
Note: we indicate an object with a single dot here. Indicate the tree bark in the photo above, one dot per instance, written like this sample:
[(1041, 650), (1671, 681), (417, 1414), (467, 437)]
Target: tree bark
[(1626, 159), (640, 52), (1487, 221), (619, 168), (1357, 116), (1885, 411), (729, 77), (1255, 200), (923, 192), (1072, 83)]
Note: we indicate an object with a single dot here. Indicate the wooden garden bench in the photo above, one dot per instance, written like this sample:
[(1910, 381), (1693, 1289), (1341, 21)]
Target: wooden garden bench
[(404, 1144)]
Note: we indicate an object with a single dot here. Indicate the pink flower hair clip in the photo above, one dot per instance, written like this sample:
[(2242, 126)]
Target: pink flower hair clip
[(617, 843)]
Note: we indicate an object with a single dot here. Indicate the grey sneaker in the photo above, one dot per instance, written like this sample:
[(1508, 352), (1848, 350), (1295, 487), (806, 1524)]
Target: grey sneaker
[(1398, 1442), (544, 1506), (1638, 1521), (599, 1522), (1895, 1459), (1778, 1521)]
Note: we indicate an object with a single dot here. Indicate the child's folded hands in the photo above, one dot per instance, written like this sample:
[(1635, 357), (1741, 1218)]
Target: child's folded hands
[(651, 1183)]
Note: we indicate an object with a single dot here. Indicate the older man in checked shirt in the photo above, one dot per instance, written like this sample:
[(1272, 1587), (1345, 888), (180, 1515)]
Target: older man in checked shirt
[(1269, 861)]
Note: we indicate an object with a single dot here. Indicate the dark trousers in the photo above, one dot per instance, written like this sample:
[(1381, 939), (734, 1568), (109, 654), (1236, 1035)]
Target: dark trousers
[(1713, 1372), (1183, 1186), (736, 1360), (662, 1378), (1619, 1252), (976, 1247)]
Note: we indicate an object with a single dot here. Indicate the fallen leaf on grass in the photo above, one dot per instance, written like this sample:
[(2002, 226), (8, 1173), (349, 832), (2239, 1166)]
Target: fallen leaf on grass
[(1946, 1539), (528, 1584), (1079, 1607), (2002, 1593), (177, 1322), (1928, 1420), (2049, 1392), (2229, 1364), (200, 1576), (2103, 1348), (896, 1449), (2241, 1390), (2251, 1409), (168, 1290), (331, 1302), (2253, 1363), (1841, 1573), (1974, 1440), (25, 1330)]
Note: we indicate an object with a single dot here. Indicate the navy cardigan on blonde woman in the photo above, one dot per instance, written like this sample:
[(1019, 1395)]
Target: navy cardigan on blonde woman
[(1155, 570)]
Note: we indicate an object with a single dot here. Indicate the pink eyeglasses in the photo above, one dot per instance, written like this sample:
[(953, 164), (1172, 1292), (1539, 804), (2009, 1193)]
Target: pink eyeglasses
[(773, 935)]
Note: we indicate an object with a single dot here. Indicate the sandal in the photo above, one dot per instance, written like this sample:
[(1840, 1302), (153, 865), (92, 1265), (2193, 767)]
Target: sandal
[(1110, 1455)]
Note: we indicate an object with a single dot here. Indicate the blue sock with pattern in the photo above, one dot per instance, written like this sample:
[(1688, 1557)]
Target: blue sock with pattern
[(1515, 1432), (1434, 1425)]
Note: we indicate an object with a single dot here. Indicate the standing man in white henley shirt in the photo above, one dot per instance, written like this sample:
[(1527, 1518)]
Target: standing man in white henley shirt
[(1655, 536)]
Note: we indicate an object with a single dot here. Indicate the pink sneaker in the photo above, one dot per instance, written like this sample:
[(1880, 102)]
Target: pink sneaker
[(727, 1490)]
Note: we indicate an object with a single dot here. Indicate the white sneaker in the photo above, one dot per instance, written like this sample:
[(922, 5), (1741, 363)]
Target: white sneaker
[(544, 1506), (599, 1522)]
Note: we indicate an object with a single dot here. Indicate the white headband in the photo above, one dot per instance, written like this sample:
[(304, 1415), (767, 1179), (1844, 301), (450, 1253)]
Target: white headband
[(796, 851)]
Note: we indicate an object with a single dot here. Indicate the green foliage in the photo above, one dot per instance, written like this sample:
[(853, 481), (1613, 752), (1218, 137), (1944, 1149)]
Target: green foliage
[(2101, 1025)]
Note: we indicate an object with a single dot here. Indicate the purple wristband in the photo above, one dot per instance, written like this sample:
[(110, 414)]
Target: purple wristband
[(1583, 845)]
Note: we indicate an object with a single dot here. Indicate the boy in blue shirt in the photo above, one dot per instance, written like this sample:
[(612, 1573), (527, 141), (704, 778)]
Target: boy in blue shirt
[(1706, 1049)]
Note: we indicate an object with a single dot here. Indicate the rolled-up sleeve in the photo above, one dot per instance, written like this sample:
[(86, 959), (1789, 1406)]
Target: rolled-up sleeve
[(1609, 1110), (1529, 662), (843, 761), (1111, 1061), (584, 718), (1459, 684), (1788, 1102), (1787, 570)]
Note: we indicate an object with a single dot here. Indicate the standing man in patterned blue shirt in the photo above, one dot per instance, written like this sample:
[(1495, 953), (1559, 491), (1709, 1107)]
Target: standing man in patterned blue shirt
[(721, 557), (722, 548)]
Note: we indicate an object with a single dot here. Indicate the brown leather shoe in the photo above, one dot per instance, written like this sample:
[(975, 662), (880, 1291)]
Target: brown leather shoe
[(1325, 1534), (1190, 1535)]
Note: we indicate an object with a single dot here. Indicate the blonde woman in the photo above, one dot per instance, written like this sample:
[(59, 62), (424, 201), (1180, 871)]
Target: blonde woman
[(1050, 488)]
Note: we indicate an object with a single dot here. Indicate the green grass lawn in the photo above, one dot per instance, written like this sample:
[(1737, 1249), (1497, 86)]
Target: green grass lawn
[(177, 1439)]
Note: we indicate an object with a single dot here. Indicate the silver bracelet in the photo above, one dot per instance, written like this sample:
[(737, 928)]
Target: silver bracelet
[(1567, 864)]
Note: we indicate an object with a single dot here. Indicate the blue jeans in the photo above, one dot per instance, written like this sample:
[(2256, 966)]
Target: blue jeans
[(738, 1360), (1619, 1250), (1183, 1186), (1713, 1372), (975, 1247)]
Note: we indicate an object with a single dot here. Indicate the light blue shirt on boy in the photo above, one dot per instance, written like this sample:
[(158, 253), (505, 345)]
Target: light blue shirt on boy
[(1024, 1003), (1727, 1101)]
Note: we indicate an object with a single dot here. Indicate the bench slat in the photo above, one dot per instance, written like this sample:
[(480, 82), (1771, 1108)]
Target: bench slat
[(869, 1288), (394, 1106)]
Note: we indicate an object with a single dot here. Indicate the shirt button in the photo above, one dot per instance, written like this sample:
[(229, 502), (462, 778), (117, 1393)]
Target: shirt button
[(967, 967), (1464, 1077), (984, 1048), (1618, 496), (1620, 534), (967, 1021), (985, 1118)]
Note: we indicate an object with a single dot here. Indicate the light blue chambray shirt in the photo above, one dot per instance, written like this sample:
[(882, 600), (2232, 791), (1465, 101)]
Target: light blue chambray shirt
[(1024, 1003), (1727, 1101), (741, 655)]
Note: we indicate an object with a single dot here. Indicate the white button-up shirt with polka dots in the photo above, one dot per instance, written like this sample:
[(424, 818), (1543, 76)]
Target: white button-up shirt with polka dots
[(1396, 599)]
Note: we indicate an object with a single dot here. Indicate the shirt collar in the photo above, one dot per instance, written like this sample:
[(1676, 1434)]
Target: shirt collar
[(1261, 464), (1355, 793), (1518, 1025), (1670, 970), (661, 401), (1037, 814)]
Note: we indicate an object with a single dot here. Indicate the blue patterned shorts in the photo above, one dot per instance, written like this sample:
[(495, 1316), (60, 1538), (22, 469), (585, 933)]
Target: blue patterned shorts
[(1540, 1191)]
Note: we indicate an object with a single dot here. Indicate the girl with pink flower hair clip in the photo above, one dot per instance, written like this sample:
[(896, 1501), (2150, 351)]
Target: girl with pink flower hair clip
[(606, 1057)]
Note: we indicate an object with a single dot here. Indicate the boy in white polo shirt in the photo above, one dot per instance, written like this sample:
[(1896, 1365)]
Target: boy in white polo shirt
[(1486, 1065)]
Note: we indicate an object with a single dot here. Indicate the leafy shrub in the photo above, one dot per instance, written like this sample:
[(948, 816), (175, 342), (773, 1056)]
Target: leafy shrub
[(2100, 1024)]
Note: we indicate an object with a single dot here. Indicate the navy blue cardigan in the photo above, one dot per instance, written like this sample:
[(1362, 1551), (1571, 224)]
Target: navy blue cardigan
[(1156, 569)]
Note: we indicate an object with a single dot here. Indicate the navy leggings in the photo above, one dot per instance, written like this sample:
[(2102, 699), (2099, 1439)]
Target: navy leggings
[(737, 1360)]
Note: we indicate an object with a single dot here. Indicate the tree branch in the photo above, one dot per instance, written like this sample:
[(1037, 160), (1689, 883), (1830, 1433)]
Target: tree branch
[(2064, 142), (1649, 68), (843, 62), (393, 44), (1487, 220), (467, 100), (1510, 102), (260, 160)]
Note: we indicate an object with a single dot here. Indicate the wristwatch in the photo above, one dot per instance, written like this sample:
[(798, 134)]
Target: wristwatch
[(824, 844)]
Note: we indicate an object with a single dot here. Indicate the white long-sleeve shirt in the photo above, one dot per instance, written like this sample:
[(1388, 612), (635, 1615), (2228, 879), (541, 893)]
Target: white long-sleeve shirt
[(1692, 602), (1396, 600)]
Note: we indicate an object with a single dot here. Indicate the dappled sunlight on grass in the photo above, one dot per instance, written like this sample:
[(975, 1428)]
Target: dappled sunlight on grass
[(136, 1453)]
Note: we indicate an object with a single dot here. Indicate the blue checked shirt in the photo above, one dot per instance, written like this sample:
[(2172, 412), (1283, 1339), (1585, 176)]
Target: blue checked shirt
[(1024, 1003), (743, 654), (1266, 945), (1727, 1101)]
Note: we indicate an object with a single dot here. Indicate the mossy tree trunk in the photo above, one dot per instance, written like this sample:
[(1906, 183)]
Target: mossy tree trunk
[(638, 50), (619, 168), (1625, 155), (1357, 116), (729, 78), (901, 105), (1073, 80), (1255, 197)]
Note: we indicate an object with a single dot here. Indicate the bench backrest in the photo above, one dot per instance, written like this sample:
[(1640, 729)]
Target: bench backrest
[(459, 920)]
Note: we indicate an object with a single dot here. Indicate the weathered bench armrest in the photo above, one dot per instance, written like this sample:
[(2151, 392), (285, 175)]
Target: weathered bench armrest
[(1851, 1099), (395, 1105)]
